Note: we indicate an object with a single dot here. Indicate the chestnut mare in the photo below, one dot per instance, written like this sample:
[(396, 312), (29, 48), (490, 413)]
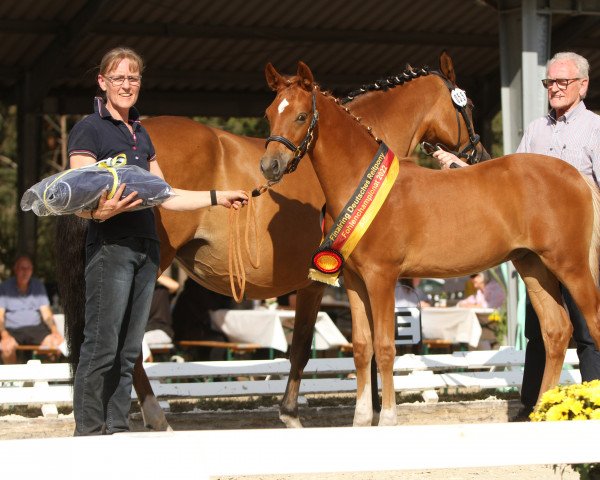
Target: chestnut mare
[(196, 157), (521, 209)]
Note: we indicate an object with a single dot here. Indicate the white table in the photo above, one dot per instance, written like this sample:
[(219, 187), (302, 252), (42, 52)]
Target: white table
[(273, 328), (455, 324)]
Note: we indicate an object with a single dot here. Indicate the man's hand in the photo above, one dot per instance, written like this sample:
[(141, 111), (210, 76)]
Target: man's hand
[(53, 340), (8, 342), (446, 159)]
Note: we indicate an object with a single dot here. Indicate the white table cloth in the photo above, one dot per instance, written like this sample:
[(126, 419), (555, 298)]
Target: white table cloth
[(273, 328), (455, 324)]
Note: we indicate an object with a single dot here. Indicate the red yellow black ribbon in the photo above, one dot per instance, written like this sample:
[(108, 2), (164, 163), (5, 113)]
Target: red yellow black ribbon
[(356, 217)]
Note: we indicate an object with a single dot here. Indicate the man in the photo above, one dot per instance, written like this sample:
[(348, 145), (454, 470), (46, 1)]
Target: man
[(488, 293), (572, 133), (25, 314)]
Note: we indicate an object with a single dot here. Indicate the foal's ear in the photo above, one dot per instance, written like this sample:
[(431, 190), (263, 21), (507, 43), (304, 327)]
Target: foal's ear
[(274, 78), (447, 67), (306, 76)]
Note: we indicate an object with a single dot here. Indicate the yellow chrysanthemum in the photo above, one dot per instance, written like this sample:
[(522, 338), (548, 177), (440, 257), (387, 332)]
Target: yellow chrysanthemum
[(576, 402), (595, 415)]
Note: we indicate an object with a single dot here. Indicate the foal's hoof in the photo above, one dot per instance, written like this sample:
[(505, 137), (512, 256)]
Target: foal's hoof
[(388, 418), (290, 421)]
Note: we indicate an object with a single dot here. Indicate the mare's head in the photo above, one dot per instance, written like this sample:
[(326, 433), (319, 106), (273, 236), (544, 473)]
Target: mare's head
[(461, 137), (293, 115)]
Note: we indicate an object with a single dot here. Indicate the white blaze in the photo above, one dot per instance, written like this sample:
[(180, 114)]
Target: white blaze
[(284, 103)]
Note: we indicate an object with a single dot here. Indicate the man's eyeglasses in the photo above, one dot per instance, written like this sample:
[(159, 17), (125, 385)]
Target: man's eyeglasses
[(561, 83), (120, 79)]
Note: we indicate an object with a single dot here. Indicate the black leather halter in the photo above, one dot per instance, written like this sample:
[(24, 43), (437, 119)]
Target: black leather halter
[(469, 153), (300, 150)]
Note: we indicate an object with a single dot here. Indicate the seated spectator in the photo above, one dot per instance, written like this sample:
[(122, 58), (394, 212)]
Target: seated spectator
[(191, 317), (25, 314), (408, 294), (160, 321), (287, 301), (488, 294), (159, 329)]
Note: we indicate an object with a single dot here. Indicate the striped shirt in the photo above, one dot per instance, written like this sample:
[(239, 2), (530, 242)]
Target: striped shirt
[(574, 138)]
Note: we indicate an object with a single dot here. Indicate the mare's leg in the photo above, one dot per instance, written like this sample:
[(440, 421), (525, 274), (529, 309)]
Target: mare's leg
[(380, 288), (307, 307), (362, 343), (152, 413), (546, 299)]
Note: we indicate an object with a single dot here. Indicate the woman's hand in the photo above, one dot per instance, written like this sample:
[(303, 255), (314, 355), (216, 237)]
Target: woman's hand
[(109, 208), (232, 198), (447, 158)]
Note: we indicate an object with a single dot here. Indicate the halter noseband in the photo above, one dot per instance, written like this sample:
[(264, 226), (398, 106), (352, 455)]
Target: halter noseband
[(300, 150), (469, 153)]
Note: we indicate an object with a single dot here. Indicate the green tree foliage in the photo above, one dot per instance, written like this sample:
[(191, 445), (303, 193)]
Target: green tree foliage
[(248, 126), (8, 196)]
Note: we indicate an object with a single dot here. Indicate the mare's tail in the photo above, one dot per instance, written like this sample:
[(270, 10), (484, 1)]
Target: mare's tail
[(70, 266), (595, 243)]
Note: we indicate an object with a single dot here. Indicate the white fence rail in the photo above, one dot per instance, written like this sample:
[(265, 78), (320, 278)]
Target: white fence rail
[(227, 453), (46, 384)]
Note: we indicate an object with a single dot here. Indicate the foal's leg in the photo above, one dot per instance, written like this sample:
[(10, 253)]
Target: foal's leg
[(544, 291), (582, 288), (307, 307), (381, 298), (362, 345)]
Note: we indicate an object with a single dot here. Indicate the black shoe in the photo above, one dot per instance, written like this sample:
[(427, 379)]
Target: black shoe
[(523, 414)]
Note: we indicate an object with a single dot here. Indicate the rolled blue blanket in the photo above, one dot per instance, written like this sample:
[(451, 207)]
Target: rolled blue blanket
[(79, 189)]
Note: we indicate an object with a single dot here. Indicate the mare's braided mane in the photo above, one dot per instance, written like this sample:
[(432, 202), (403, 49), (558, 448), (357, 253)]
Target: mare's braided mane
[(385, 84)]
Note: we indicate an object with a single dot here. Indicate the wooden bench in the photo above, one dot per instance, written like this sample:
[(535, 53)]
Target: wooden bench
[(37, 350), (231, 347), (41, 384)]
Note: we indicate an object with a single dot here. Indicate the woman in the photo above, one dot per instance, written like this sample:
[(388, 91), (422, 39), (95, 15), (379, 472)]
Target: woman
[(122, 249)]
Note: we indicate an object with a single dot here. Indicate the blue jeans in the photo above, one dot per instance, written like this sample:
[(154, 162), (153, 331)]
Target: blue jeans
[(119, 279), (535, 353)]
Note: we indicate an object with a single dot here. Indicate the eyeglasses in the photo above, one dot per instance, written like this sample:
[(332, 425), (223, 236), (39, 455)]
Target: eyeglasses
[(561, 83), (120, 79)]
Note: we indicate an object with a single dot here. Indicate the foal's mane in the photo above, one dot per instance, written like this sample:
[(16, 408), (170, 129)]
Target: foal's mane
[(392, 81)]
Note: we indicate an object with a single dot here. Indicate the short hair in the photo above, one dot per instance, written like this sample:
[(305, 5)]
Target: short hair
[(484, 274), (583, 66), (111, 59)]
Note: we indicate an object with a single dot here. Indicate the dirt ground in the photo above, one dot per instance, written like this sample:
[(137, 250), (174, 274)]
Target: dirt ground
[(21, 425)]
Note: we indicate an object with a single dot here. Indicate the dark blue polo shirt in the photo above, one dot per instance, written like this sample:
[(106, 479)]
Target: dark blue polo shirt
[(101, 136)]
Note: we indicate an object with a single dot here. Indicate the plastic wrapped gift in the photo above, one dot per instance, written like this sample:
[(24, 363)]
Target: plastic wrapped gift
[(80, 188)]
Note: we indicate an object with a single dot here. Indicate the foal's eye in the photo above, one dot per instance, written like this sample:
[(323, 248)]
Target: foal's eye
[(301, 117)]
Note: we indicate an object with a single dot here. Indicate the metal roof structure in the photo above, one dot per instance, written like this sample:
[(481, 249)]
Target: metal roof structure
[(207, 57)]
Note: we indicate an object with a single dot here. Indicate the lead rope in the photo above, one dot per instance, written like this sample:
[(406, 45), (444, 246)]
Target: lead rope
[(235, 259)]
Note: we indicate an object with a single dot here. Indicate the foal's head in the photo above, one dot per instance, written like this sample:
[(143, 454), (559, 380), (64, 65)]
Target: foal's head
[(293, 116)]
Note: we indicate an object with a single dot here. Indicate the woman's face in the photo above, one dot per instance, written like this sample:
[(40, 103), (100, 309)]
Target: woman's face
[(121, 97)]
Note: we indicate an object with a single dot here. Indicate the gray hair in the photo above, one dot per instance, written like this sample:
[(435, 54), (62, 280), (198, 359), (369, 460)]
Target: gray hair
[(583, 66)]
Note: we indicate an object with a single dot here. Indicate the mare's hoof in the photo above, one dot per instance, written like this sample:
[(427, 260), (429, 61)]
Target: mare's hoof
[(290, 421)]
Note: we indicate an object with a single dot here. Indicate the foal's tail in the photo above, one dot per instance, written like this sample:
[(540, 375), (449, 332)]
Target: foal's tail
[(70, 267), (595, 243)]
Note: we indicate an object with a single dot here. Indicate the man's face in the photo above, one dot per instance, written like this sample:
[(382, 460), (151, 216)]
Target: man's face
[(565, 99), (23, 270), (478, 282)]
